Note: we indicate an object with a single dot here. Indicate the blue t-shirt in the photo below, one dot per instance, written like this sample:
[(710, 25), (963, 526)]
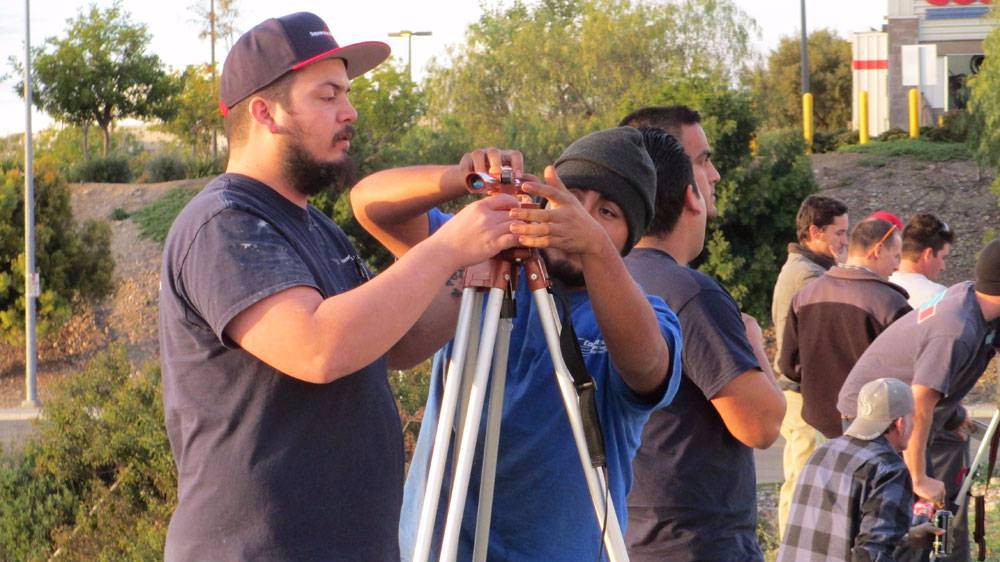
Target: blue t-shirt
[(541, 508), (269, 467), (695, 494)]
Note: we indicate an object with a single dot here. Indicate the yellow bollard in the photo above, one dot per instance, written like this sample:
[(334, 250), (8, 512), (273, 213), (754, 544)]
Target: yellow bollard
[(863, 130), (914, 113), (807, 120)]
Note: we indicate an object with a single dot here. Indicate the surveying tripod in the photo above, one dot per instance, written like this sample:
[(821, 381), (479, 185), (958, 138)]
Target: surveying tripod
[(472, 360)]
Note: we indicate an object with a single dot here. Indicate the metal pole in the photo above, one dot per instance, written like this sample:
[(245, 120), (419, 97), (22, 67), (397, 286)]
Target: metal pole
[(805, 52), (409, 56), (30, 278)]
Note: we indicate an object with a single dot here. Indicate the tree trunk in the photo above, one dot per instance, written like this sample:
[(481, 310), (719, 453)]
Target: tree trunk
[(86, 142), (107, 139)]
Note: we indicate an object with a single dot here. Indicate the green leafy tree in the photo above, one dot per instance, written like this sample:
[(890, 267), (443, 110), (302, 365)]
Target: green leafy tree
[(985, 107), (779, 83), (538, 76), (74, 261), (196, 118), (100, 73)]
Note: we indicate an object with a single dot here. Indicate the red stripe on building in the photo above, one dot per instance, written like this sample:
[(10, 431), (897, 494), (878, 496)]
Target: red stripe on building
[(870, 64)]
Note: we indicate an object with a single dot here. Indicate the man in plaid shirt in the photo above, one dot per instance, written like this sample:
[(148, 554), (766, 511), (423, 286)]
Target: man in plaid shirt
[(854, 498)]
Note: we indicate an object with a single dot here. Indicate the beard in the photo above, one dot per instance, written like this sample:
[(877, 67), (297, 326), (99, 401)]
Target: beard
[(310, 176), (564, 271)]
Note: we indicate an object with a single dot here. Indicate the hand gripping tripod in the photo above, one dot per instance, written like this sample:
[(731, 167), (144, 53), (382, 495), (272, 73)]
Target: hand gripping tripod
[(471, 362)]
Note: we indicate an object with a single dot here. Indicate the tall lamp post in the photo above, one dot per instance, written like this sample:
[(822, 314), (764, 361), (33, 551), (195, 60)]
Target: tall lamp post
[(30, 278), (409, 46)]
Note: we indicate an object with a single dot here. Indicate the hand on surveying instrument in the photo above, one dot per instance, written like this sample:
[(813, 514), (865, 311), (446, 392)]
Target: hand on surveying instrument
[(490, 160), (930, 489), (567, 222), (479, 231)]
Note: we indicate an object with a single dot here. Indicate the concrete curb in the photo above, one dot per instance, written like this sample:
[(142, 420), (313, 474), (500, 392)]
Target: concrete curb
[(20, 414)]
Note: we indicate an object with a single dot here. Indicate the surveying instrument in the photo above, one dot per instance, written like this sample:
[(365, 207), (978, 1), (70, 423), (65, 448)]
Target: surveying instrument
[(472, 360)]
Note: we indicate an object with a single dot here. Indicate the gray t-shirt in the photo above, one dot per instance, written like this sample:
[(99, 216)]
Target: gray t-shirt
[(269, 467), (694, 495), (945, 345)]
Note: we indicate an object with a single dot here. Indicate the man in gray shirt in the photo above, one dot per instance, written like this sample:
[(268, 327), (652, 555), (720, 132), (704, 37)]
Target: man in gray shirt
[(941, 349)]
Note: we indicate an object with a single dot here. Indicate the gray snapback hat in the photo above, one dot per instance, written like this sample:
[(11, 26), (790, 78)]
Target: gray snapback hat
[(880, 403)]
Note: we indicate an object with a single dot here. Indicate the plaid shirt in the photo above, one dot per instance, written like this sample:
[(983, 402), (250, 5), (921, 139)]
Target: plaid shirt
[(853, 502)]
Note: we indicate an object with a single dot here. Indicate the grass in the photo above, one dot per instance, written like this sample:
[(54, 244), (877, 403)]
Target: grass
[(874, 162), (918, 149), (154, 220)]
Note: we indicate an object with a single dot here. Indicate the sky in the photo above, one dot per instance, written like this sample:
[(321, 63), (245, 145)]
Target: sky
[(174, 33)]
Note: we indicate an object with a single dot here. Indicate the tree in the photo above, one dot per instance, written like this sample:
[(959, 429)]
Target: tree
[(219, 20), (196, 117), (984, 107), (100, 73), (779, 84), (538, 76)]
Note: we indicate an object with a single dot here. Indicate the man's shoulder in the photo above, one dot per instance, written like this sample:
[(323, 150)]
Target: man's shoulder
[(660, 275)]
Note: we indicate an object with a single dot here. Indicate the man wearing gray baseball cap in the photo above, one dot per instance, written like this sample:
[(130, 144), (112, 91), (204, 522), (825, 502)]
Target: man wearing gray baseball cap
[(854, 498)]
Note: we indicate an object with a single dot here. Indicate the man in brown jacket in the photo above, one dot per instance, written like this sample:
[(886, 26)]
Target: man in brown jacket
[(833, 320)]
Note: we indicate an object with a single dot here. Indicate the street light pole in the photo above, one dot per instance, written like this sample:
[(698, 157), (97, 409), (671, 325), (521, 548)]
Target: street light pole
[(409, 46), (31, 284), (805, 51)]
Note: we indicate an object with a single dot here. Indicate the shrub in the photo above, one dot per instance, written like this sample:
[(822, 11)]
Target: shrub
[(98, 482), (154, 220), (206, 167), (830, 141), (918, 149), (113, 169), (118, 214), (757, 208), (75, 260), (893, 134), (165, 167)]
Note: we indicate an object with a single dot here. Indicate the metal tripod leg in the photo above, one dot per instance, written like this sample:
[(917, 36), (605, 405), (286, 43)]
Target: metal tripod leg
[(471, 302), (470, 429), (492, 440), (597, 483), (984, 447)]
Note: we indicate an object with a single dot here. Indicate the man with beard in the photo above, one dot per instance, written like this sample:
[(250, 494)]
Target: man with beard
[(599, 200), (274, 341)]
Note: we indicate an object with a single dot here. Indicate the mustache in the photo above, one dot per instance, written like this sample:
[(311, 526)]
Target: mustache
[(346, 135)]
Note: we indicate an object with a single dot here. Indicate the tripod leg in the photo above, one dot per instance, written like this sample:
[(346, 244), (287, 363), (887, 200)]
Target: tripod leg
[(492, 440), (470, 429), (597, 483), (984, 447), (446, 417)]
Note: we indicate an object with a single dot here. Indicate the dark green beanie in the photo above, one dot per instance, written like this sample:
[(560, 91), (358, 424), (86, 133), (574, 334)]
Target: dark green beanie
[(614, 163), (988, 269)]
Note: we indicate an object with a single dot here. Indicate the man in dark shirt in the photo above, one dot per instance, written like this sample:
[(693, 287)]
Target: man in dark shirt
[(274, 343), (941, 350), (833, 320), (694, 496)]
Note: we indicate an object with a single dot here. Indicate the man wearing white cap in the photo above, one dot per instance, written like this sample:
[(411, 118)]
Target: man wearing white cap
[(854, 498)]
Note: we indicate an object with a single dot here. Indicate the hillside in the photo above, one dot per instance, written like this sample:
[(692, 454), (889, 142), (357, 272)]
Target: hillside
[(902, 185)]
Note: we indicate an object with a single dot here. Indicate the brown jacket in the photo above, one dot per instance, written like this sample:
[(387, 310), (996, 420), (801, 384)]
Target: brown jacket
[(830, 324)]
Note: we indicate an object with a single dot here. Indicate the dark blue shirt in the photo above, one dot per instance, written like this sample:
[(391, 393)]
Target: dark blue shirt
[(269, 467), (694, 496)]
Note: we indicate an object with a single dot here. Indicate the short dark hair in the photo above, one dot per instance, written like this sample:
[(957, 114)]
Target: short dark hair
[(673, 176), (868, 233), (818, 211), (237, 121), (670, 118), (923, 231)]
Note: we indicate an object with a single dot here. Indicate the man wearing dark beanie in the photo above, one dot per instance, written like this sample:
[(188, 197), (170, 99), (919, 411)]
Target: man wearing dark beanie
[(941, 349), (598, 202)]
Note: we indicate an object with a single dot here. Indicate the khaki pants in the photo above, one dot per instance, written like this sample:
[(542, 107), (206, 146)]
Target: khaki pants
[(801, 439)]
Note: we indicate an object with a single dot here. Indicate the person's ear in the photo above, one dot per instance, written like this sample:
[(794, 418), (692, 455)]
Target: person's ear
[(927, 255), (814, 232), (262, 112), (693, 201)]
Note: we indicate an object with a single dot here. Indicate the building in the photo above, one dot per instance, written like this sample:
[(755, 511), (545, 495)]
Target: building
[(933, 45)]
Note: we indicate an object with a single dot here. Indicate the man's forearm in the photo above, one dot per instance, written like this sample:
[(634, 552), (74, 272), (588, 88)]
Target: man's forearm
[(627, 322), (915, 454)]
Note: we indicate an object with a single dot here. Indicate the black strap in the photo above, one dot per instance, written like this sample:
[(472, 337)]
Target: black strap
[(584, 383), (980, 533)]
